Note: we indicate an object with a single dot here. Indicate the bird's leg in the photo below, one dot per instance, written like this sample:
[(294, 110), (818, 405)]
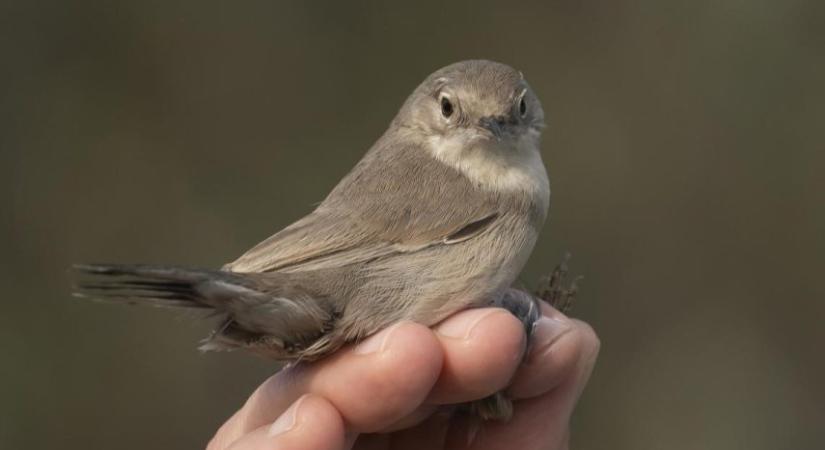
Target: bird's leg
[(527, 309)]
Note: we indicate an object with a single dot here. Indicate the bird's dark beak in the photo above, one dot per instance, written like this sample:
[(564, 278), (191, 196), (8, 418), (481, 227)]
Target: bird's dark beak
[(494, 124)]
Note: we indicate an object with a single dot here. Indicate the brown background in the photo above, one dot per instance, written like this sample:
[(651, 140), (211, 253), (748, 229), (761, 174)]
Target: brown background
[(685, 149)]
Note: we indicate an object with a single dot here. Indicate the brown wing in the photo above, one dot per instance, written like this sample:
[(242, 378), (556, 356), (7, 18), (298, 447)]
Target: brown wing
[(397, 199)]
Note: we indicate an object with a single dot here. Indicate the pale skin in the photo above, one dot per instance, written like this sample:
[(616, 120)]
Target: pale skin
[(393, 390)]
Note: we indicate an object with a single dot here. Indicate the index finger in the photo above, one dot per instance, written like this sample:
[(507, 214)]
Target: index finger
[(372, 384)]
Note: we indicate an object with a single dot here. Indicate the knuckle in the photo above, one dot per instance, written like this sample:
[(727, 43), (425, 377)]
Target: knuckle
[(589, 339)]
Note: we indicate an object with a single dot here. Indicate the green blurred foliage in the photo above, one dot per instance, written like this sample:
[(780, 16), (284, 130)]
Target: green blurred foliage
[(685, 149)]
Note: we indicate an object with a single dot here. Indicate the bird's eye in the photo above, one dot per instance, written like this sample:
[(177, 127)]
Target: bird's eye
[(522, 107), (446, 107)]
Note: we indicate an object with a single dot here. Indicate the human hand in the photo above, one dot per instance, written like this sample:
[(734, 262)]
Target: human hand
[(389, 391)]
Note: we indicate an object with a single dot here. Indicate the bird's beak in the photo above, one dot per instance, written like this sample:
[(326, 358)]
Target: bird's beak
[(494, 124)]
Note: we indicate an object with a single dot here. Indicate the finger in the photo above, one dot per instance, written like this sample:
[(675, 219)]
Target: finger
[(558, 343), (542, 421), (372, 385), (537, 423), (482, 350), (430, 434), (421, 414), (310, 423)]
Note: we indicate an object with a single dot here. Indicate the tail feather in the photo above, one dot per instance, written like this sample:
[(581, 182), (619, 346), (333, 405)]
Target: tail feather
[(156, 285), (265, 313)]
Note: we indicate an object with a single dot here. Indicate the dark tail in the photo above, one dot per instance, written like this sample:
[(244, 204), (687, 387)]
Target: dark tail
[(263, 313), (157, 285)]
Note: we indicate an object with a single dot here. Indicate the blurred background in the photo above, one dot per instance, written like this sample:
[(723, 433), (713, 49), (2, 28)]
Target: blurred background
[(684, 146)]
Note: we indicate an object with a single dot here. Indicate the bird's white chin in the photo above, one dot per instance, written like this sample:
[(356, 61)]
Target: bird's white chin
[(511, 163)]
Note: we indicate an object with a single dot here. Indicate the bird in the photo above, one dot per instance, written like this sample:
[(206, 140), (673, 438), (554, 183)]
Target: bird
[(440, 215)]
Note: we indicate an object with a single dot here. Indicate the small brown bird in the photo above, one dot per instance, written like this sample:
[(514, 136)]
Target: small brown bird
[(440, 215)]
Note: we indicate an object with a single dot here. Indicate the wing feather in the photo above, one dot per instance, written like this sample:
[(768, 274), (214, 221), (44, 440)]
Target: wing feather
[(397, 199)]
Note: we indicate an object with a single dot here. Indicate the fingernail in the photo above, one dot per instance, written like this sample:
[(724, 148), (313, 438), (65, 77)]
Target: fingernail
[(462, 326), (376, 342), (547, 332), (287, 420)]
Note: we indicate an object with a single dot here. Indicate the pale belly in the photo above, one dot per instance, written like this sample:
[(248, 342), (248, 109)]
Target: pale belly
[(429, 285), (480, 274)]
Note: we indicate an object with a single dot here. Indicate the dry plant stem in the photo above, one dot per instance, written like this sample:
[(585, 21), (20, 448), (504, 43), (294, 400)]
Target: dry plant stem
[(552, 289)]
